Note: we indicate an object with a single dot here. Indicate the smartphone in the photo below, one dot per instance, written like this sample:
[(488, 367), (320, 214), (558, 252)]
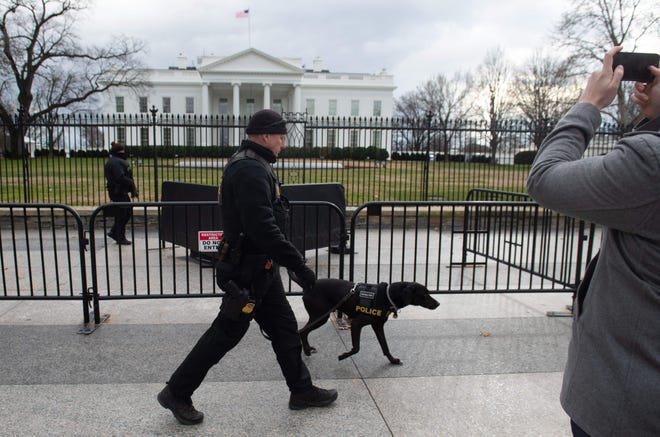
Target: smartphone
[(636, 65)]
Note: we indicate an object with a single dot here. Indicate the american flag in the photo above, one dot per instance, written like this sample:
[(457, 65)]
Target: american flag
[(245, 13)]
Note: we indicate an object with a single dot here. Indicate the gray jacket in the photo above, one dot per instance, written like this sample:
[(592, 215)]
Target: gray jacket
[(612, 377)]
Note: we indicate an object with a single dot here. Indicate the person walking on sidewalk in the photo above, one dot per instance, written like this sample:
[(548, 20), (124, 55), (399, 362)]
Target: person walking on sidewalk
[(119, 177), (612, 377), (252, 249)]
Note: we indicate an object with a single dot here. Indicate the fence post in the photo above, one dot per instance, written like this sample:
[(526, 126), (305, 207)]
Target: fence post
[(153, 111), (25, 155), (429, 117)]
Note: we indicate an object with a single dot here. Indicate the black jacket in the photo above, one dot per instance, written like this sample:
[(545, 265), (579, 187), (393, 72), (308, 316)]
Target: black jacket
[(119, 176), (252, 205)]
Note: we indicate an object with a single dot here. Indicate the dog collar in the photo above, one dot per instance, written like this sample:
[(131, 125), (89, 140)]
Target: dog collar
[(395, 309)]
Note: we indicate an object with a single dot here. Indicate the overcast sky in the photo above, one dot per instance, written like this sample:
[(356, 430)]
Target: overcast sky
[(413, 39)]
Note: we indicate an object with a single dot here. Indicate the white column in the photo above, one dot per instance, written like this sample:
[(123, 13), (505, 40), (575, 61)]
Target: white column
[(266, 95), (237, 98), (237, 111), (205, 98), (297, 98)]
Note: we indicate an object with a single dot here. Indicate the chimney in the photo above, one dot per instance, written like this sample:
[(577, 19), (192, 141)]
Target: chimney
[(318, 64), (181, 61)]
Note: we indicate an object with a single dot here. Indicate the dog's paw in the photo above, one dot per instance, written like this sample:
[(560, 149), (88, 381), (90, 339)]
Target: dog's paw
[(343, 356), (395, 361)]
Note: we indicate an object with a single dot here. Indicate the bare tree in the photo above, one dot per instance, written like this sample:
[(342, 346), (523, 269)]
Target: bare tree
[(448, 102), (440, 98), (410, 105), (543, 89), (44, 68), (412, 134), (93, 138), (591, 27), (494, 76)]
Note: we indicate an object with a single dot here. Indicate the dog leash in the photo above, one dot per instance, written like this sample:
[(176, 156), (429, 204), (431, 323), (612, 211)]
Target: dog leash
[(343, 299)]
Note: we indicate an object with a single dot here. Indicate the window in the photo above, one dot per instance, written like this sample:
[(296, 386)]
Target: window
[(144, 136), (277, 105), (310, 107), (250, 106), (377, 108), (332, 107), (167, 105), (121, 135), (376, 138), (355, 108), (190, 136), (354, 138), (223, 107), (332, 138), (167, 136), (190, 105), (119, 104), (223, 136), (144, 104), (309, 138)]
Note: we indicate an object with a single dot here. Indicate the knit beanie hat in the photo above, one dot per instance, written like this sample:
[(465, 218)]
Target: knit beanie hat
[(116, 148), (266, 122)]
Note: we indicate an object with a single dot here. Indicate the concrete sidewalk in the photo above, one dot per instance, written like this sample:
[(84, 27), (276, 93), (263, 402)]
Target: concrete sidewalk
[(479, 365)]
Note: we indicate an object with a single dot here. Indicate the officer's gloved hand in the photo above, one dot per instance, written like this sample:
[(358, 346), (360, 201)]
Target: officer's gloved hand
[(304, 276)]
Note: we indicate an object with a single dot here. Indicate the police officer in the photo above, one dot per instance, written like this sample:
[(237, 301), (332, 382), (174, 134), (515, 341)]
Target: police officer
[(254, 216), (119, 177)]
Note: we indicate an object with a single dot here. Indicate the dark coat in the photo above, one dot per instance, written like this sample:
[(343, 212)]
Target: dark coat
[(119, 177), (252, 205)]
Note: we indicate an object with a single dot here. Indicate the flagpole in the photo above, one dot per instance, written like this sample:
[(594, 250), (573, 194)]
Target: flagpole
[(249, 30)]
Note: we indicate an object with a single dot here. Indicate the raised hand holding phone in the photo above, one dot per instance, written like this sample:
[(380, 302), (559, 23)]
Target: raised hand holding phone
[(636, 65)]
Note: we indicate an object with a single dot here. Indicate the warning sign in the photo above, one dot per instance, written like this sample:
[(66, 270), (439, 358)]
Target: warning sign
[(209, 240)]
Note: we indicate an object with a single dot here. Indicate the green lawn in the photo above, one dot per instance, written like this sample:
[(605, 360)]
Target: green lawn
[(80, 181)]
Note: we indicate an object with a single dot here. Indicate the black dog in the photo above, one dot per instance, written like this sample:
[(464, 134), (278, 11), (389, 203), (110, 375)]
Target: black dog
[(327, 293)]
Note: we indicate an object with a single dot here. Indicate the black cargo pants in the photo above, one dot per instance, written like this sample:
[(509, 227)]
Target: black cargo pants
[(122, 216), (277, 320)]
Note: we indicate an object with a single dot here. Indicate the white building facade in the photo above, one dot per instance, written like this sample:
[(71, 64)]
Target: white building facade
[(245, 82)]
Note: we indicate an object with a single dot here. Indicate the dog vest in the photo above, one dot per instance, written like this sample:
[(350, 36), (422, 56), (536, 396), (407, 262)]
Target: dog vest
[(372, 299)]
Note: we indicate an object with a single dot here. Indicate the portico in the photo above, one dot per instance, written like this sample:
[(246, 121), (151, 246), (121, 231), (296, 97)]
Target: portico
[(239, 98), (249, 81)]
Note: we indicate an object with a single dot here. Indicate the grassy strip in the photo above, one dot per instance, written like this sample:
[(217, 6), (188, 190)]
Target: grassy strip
[(80, 181)]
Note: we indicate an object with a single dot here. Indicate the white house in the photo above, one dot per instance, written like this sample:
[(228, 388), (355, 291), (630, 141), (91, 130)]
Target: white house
[(245, 82)]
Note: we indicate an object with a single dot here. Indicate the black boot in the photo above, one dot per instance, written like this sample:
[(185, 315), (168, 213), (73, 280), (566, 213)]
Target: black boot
[(182, 409), (314, 397)]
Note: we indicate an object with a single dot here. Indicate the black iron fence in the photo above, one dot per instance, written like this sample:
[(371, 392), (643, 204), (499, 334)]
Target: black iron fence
[(60, 159), (451, 247)]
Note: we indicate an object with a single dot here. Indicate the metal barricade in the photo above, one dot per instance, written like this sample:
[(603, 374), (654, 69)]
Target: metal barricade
[(156, 266), (519, 246), (451, 247), (42, 253)]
